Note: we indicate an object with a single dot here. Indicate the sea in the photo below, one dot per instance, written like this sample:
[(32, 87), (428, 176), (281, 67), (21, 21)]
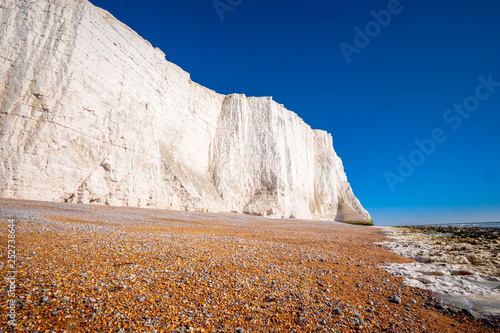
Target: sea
[(468, 225)]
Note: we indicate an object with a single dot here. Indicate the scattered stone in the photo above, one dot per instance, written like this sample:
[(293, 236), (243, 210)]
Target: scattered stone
[(395, 299), (268, 298), (469, 313), (440, 306)]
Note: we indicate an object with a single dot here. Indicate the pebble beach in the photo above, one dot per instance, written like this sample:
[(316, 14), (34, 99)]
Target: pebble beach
[(86, 268)]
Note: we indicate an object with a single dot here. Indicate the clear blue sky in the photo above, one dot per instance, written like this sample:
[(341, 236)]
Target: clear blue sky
[(398, 88)]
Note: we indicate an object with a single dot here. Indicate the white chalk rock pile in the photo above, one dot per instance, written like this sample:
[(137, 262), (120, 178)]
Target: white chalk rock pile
[(90, 112)]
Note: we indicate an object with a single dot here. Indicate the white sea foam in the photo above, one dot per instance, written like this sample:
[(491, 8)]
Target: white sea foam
[(462, 274)]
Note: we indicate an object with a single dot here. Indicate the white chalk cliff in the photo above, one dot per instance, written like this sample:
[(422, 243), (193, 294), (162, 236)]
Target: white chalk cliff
[(90, 112)]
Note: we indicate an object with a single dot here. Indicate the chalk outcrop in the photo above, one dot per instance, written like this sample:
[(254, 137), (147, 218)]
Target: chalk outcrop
[(91, 112)]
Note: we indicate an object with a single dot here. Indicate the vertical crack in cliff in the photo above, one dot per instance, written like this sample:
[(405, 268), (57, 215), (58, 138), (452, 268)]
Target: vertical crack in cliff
[(178, 145)]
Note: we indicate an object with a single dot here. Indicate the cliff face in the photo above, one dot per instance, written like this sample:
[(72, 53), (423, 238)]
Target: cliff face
[(91, 112)]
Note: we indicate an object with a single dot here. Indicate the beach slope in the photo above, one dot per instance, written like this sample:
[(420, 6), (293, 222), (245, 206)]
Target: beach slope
[(85, 268)]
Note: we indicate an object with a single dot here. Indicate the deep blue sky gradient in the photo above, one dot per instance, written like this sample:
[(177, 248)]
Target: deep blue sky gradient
[(396, 90)]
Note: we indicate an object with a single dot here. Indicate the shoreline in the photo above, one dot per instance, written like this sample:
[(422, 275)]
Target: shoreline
[(89, 268), (460, 264)]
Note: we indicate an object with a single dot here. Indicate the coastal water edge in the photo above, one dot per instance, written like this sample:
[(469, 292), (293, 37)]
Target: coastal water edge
[(460, 263)]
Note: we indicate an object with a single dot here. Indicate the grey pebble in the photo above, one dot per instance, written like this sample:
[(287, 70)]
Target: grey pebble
[(395, 299), (468, 312), (440, 306)]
